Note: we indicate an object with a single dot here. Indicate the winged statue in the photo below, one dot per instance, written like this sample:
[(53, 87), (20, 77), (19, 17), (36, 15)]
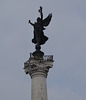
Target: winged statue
[(39, 26)]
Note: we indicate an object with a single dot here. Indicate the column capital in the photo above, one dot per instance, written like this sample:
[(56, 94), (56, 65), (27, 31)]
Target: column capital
[(35, 67)]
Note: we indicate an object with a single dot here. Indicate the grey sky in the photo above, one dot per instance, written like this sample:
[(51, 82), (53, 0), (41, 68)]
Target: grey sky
[(67, 42)]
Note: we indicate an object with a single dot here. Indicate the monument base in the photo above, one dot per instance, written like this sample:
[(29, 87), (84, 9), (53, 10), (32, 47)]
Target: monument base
[(38, 54)]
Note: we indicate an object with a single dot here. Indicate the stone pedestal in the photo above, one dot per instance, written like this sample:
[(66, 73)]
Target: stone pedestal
[(38, 70)]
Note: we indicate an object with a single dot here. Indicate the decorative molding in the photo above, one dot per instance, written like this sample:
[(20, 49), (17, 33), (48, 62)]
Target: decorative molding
[(37, 67)]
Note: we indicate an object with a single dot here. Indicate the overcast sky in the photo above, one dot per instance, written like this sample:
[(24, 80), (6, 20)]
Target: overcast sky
[(67, 42)]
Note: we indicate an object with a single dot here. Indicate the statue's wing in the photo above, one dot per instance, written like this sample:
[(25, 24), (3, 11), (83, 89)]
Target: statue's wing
[(47, 20)]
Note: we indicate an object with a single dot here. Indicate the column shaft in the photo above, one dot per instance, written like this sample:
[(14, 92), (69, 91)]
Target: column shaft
[(38, 70), (39, 89)]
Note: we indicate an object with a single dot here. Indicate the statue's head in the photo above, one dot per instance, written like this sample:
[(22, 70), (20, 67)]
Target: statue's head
[(38, 19)]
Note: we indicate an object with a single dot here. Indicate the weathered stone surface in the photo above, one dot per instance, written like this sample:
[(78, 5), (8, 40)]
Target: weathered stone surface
[(39, 88), (38, 70), (33, 66)]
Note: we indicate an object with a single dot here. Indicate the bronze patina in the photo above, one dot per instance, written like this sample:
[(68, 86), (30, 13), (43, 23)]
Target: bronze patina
[(39, 27)]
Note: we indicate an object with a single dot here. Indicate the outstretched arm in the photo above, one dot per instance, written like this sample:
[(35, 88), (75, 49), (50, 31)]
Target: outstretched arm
[(31, 23), (40, 11)]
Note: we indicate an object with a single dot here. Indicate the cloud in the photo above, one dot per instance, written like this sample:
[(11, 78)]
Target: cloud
[(63, 94), (66, 32)]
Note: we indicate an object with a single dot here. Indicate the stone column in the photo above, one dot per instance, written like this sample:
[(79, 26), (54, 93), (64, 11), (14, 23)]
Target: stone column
[(38, 70)]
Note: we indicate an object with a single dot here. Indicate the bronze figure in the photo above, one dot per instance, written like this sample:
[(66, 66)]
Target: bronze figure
[(39, 26)]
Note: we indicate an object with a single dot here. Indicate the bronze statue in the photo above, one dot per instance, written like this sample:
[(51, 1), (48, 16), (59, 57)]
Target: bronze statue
[(39, 37)]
